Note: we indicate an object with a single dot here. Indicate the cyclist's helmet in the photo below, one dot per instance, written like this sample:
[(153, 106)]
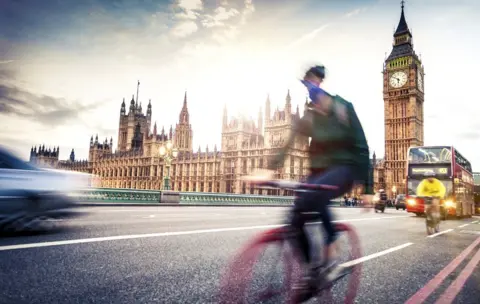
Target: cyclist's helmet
[(318, 70)]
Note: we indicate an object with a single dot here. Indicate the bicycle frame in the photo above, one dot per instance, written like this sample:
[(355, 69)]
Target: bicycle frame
[(234, 284), (239, 274)]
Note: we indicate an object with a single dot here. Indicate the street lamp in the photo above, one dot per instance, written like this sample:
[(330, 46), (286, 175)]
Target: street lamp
[(168, 153), (394, 190)]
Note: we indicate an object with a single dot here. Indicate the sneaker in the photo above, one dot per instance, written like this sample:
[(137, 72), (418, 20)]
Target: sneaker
[(336, 271)]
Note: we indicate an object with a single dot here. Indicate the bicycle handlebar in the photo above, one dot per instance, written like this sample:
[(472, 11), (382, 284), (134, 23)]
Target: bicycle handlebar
[(285, 184)]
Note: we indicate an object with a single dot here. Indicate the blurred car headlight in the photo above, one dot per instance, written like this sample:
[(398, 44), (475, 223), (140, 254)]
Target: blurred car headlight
[(449, 204)]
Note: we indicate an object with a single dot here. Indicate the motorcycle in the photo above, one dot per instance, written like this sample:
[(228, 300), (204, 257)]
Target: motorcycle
[(380, 202), (432, 214)]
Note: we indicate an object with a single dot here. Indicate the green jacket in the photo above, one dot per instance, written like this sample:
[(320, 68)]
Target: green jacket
[(337, 138)]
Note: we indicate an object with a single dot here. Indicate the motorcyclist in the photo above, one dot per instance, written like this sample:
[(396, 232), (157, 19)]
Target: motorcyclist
[(339, 156)]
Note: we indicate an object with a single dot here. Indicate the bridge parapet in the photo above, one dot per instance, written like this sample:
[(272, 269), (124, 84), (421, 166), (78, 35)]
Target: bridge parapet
[(110, 195)]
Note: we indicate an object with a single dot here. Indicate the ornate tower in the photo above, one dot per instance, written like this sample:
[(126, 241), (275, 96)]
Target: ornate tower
[(403, 97), (183, 131), (129, 121)]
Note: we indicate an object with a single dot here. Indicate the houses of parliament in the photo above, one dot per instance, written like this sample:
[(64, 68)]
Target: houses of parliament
[(246, 144)]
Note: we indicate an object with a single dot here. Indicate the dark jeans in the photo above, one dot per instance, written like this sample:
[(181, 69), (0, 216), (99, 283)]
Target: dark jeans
[(317, 201)]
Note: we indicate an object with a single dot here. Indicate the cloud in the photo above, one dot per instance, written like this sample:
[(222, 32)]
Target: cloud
[(6, 74), (184, 29), (221, 14), (308, 36), (248, 10), (190, 5), (225, 35), (353, 13), (186, 15), (47, 110)]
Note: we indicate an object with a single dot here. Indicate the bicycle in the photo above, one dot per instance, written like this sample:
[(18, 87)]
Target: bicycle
[(432, 214), (239, 272)]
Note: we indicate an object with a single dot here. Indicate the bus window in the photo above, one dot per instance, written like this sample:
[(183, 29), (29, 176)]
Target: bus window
[(430, 155), (460, 160)]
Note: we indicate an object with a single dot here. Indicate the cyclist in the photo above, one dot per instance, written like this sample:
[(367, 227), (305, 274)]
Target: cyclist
[(431, 187), (339, 156)]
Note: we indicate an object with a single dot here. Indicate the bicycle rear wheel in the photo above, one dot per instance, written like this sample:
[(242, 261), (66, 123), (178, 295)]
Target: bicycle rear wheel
[(235, 284)]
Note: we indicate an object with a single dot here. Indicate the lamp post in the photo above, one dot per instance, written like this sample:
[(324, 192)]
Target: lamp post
[(394, 190), (168, 153)]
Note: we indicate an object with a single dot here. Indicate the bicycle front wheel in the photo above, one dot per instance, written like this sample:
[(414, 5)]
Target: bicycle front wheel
[(344, 287), (253, 276)]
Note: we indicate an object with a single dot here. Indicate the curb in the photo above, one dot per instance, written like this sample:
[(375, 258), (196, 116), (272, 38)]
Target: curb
[(173, 205), (197, 205)]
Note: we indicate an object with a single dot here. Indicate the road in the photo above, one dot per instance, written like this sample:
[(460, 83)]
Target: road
[(176, 255)]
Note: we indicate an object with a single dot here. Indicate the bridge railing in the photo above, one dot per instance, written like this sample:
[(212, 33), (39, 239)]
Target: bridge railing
[(109, 195)]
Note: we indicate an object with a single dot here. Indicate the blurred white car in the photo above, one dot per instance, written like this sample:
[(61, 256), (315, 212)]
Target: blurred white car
[(31, 197)]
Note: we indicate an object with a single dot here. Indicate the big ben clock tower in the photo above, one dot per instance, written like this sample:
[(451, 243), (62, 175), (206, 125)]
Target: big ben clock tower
[(403, 97)]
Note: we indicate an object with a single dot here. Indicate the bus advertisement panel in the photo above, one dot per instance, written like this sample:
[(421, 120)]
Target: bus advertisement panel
[(434, 171)]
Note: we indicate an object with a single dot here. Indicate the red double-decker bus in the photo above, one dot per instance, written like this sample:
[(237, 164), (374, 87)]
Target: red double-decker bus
[(450, 169)]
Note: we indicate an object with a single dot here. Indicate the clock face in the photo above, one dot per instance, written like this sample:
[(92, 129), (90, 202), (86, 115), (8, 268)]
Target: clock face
[(420, 80), (398, 79)]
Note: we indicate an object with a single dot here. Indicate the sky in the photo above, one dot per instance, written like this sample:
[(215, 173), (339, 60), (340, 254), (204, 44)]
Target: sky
[(65, 66)]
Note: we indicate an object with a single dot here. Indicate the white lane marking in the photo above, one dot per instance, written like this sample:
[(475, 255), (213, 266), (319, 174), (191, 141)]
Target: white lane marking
[(160, 234), (375, 255), (470, 231), (150, 216), (461, 226), (474, 222), (440, 233)]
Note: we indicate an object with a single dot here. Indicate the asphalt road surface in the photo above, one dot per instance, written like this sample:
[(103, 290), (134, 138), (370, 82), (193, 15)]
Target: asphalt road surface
[(177, 254)]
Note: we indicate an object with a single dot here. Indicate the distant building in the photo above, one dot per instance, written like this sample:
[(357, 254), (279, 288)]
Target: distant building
[(135, 162), (476, 183), (44, 157)]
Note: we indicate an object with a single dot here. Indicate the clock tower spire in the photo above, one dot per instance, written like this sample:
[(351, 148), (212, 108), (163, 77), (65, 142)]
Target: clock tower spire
[(403, 101)]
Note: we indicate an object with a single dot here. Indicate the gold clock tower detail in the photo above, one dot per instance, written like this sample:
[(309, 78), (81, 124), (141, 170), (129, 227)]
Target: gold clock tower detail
[(403, 97)]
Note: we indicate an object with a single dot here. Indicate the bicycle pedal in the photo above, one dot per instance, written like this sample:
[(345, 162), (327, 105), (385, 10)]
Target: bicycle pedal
[(340, 274)]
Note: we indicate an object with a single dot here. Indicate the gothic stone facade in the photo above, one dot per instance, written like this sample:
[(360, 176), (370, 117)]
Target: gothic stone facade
[(136, 164)]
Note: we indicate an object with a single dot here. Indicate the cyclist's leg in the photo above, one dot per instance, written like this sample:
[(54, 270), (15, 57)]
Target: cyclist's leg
[(297, 221), (342, 177)]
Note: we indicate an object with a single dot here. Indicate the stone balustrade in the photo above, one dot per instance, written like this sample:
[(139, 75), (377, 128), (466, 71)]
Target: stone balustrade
[(107, 195), (233, 199)]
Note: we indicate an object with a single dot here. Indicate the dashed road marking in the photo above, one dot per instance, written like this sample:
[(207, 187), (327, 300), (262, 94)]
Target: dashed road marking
[(375, 255), (464, 225), (163, 234), (440, 233), (470, 231)]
